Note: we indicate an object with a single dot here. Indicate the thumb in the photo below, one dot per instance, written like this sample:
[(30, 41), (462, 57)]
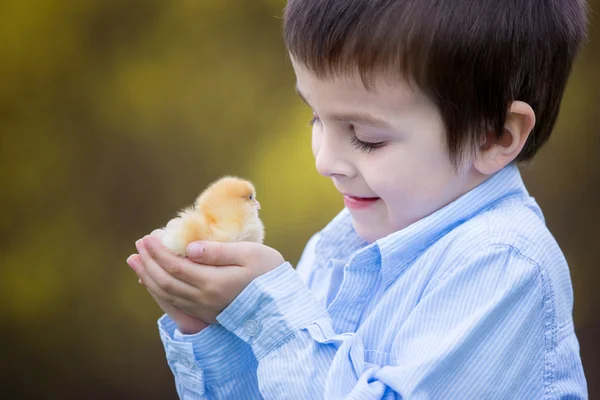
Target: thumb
[(215, 253)]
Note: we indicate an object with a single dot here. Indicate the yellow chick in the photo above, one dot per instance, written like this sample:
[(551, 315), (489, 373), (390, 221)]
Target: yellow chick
[(227, 211)]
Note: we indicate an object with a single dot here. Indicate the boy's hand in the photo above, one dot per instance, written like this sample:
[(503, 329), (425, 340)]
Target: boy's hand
[(204, 284), (185, 323)]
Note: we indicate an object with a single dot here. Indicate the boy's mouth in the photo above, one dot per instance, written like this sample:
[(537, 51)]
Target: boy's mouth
[(359, 202)]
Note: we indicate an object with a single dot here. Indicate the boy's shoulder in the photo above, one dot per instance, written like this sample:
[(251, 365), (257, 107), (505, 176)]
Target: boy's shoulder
[(516, 224), (516, 229)]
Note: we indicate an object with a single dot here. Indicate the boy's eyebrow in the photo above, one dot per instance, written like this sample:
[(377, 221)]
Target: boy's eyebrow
[(359, 118)]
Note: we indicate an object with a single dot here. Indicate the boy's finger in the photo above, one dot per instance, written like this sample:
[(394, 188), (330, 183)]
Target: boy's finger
[(158, 233), (154, 288), (135, 262), (217, 253), (168, 283), (178, 267)]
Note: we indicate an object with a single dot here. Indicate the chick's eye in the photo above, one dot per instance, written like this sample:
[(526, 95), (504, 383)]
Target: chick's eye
[(250, 197)]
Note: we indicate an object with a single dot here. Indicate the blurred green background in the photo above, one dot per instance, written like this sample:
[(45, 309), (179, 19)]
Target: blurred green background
[(114, 115)]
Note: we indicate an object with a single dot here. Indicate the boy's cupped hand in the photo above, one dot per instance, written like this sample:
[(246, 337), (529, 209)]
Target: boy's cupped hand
[(201, 286)]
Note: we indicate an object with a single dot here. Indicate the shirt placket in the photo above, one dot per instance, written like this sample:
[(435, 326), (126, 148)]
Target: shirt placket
[(359, 280)]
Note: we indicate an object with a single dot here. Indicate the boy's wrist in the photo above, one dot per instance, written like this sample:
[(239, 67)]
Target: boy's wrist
[(279, 300), (216, 352), (191, 327)]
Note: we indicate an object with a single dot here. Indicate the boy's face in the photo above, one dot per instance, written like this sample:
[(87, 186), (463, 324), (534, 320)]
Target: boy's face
[(406, 176)]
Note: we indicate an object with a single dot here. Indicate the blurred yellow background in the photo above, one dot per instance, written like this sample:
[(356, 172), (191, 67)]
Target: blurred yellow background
[(114, 115)]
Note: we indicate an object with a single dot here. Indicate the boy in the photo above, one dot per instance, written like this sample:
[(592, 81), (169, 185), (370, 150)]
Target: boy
[(439, 279)]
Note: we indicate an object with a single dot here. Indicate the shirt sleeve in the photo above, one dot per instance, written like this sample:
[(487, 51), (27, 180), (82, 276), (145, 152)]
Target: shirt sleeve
[(215, 363), (212, 364), (477, 332)]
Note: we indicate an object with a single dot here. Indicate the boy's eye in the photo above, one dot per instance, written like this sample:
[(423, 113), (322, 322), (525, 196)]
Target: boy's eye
[(356, 142), (365, 146)]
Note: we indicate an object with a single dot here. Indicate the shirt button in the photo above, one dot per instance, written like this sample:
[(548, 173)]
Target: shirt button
[(251, 327)]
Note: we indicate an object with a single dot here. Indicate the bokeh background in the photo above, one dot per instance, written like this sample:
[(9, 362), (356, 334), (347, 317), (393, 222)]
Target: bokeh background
[(115, 114)]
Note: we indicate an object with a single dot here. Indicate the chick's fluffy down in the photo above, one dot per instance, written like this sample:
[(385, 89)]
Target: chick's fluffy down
[(227, 211)]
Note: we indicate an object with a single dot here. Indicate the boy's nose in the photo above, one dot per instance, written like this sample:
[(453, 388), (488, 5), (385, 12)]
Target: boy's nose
[(330, 158)]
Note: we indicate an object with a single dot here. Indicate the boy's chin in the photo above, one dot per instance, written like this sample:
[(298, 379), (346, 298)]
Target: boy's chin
[(369, 230)]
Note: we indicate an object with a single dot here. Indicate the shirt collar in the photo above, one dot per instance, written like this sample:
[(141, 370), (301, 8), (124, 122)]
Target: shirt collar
[(340, 243)]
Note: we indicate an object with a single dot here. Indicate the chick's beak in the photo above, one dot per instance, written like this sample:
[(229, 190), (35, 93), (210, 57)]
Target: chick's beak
[(257, 204)]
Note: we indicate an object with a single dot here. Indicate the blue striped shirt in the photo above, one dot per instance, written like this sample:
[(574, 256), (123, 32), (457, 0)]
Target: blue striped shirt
[(472, 302)]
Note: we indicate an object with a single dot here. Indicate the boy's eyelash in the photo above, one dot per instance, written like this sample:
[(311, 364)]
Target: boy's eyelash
[(356, 142), (365, 146)]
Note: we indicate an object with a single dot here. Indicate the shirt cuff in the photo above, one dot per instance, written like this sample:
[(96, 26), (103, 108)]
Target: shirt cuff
[(214, 352), (270, 309)]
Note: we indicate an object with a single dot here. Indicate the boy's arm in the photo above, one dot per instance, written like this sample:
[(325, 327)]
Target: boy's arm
[(480, 332), (212, 364), (216, 359)]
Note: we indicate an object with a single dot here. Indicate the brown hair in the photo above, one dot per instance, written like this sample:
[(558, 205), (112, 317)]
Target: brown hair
[(472, 58)]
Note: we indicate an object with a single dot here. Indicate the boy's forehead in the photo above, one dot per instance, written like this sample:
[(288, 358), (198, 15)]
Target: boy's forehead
[(379, 83), (382, 91)]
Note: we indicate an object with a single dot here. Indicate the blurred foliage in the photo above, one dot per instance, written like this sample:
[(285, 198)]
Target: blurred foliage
[(114, 115)]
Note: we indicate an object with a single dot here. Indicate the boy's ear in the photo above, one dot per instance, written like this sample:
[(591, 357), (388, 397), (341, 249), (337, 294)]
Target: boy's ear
[(496, 152)]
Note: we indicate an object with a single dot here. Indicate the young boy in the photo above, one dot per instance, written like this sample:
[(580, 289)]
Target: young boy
[(439, 279)]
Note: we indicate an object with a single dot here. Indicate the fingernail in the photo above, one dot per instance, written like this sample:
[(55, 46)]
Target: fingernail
[(140, 281), (139, 245), (131, 262), (194, 250)]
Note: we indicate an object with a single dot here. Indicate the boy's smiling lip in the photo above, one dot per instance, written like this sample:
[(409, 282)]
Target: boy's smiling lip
[(356, 202)]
